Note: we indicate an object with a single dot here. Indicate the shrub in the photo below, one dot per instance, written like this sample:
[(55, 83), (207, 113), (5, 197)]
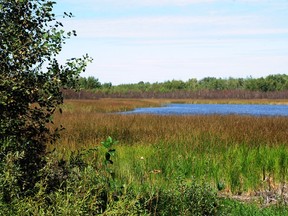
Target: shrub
[(184, 199), (29, 92)]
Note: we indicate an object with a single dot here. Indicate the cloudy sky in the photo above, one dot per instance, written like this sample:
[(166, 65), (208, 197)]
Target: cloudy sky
[(160, 40)]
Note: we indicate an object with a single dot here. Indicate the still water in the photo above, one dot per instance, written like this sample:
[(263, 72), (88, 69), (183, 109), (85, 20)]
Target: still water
[(210, 109)]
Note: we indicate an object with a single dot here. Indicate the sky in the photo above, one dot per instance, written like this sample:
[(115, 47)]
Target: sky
[(160, 40)]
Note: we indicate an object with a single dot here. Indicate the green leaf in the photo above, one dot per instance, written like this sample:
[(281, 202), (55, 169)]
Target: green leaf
[(108, 142), (30, 39)]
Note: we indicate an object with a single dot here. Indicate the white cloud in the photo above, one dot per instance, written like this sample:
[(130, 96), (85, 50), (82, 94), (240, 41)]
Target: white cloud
[(172, 27)]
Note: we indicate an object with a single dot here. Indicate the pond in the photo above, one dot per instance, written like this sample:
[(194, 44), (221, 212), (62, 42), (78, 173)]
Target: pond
[(211, 109)]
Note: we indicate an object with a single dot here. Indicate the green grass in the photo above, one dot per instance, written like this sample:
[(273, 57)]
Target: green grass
[(163, 162), (241, 152)]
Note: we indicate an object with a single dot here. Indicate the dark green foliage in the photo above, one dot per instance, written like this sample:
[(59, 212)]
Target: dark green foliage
[(89, 83), (272, 86), (108, 143), (30, 92), (185, 199), (80, 186), (237, 208), (278, 82)]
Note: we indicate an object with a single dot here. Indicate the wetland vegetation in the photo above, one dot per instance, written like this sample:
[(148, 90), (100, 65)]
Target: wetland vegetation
[(161, 165), (105, 163), (240, 157)]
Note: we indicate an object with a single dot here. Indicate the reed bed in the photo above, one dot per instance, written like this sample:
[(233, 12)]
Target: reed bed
[(235, 154)]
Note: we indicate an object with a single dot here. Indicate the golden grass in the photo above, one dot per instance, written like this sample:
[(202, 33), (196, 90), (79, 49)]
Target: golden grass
[(106, 105), (234, 149), (86, 123)]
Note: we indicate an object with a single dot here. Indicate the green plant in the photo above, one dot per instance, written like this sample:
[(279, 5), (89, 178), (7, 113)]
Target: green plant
[(237, 208), (31, 80), (75, 185), (108, 172), (183, 198), (107, 144), (9, 189)]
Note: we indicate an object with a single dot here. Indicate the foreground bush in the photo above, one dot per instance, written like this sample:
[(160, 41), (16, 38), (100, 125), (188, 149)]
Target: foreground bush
[(85, 184), (185, 199), (31, 80)]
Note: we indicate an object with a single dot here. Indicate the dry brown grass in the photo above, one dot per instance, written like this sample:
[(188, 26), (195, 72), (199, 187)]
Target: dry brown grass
[(233, 149), (106, 105), (86, 124)]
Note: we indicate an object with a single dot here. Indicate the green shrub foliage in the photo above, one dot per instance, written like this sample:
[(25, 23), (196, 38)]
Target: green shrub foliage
[(31, 80), (191, 198)]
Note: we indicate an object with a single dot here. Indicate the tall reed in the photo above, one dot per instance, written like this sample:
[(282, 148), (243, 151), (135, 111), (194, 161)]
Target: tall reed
[(242, 153)]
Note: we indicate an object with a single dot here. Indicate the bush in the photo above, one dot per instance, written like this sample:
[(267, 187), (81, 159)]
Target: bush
[(30, 93), (184, 199)]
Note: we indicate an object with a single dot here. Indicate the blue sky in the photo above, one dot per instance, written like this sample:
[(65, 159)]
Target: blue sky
[(160, 40)]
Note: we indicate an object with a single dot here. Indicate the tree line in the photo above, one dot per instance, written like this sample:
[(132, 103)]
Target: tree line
[(270, 87), (271, 83)]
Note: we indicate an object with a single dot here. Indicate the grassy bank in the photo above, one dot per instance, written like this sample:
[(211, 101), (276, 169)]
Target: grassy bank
[(161, 165), (240, 157)]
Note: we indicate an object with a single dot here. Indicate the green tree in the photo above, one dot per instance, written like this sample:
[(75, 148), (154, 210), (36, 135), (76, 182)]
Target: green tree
[(89, 83), (82, 82), (107, 85), (192, 84), (250, 84), (276, 82), (93, 83), (234, 83), (173, 85), (31, 80), (212, 83)]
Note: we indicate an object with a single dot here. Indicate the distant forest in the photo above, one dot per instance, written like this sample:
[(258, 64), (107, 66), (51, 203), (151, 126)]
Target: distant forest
[(272, 86)]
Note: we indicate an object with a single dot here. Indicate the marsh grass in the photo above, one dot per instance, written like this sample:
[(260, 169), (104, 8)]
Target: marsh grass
[(243, 153), (165, 161), (164, 165)]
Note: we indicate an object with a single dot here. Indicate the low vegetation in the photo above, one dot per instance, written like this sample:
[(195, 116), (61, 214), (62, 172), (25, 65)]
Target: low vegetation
[(179, 165), (240, 157), (107, 163)]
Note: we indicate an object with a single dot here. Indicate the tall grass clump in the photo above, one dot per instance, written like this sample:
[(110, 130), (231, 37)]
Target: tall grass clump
[(161, 165), (241, 153), (85, 184)]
